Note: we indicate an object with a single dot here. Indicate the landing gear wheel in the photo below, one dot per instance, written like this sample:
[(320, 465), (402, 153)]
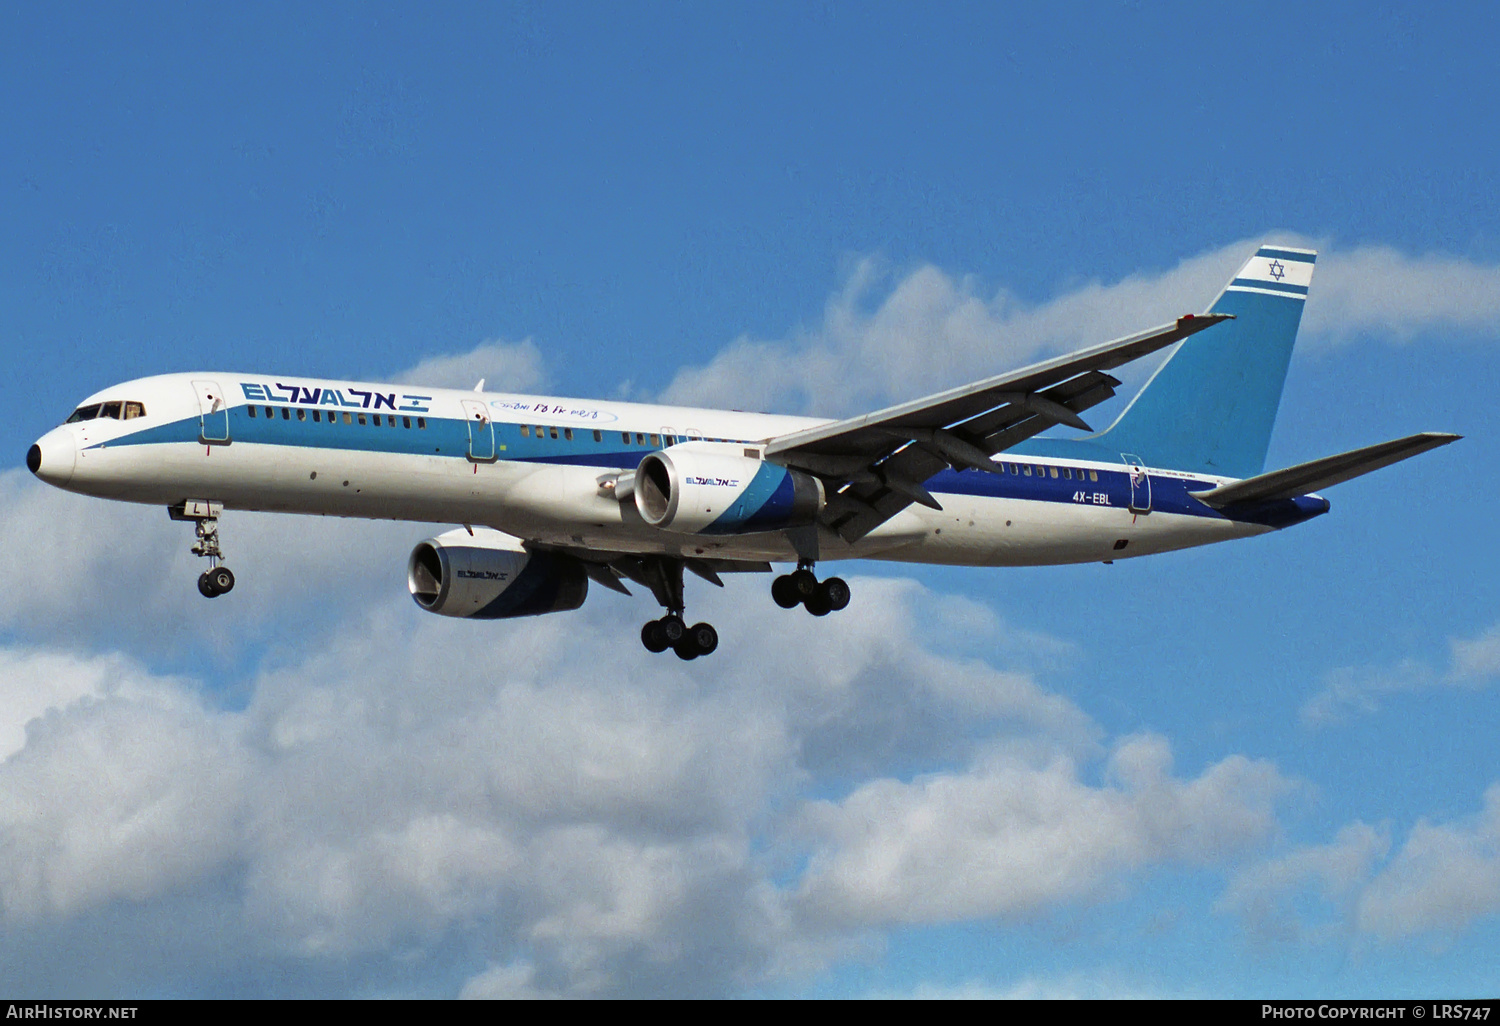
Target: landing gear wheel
[(221, 579), (804, 584), (206, 586), (672, 628), (784, 592), (817, 604), (653, 637), (685, 648), (704, 637), (836, 592)]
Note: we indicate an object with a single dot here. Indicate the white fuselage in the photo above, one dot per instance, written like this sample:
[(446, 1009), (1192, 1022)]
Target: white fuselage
[(540, 467)]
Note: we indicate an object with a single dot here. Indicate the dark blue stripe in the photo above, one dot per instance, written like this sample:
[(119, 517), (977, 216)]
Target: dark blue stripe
[(1286, 254), (1277, 286)]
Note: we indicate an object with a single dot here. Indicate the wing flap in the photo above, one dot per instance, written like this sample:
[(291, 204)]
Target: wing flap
[(1323, 473)]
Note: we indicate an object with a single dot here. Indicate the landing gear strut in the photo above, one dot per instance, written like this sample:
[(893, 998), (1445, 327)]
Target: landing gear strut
[(671, 631), (802, 587), (217, 579)]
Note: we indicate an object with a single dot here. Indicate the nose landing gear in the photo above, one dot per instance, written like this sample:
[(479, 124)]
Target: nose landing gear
[(802, 587), (217, 579)]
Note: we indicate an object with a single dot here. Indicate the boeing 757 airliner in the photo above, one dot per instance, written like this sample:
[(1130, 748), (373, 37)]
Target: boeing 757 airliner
[(555, 493)]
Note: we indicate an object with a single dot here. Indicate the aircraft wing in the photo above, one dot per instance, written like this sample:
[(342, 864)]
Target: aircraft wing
[(873, 466), (1330, 470)]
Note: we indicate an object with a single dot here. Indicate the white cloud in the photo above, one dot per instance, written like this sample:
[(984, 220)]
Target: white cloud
[(884, 338), (609, 822), (1472, 663), (1444, 878), (130, 789), (504, 366), (1262, 893), (509, 982), (1012, 835), (1102, 985), (1378, 290)]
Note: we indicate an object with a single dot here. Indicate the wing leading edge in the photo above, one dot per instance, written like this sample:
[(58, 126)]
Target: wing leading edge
[(873, 465)]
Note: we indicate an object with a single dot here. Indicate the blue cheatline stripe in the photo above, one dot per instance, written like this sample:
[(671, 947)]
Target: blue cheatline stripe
[(1274, 286), (450, 439), (759, 493), (1288, 254)]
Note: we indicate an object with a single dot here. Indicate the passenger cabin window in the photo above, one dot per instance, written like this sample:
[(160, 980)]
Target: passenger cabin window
[(568, 434), (286, 413), (406, 422), (552, 432), (598, 435), (525, 430), (347, 418), (625, 437), (656, 441), (1093, 475), (1054, 471), (422, 423), (301, 414), (317, 416), (250, 410)]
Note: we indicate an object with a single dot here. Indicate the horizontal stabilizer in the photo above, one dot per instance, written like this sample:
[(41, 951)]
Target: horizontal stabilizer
[(1330, 470)]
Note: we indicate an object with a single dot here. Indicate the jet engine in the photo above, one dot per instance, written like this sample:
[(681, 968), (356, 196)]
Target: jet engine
[(690, 489), (490, 576)]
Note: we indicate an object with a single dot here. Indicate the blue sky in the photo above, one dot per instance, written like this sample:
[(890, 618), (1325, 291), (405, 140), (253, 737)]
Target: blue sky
[(1265, 768)]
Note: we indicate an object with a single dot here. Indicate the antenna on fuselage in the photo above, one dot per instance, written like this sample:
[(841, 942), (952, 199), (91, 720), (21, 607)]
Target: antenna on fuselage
[(479, 387)]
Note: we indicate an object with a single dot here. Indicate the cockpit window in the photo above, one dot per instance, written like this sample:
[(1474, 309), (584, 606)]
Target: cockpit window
[(111, 410), (84, 413), (134, 410)]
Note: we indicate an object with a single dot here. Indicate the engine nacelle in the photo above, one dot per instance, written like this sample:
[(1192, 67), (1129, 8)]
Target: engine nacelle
[(489, 576), (692, 489)]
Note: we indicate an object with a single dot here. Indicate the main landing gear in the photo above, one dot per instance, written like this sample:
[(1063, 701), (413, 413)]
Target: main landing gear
[(664, 576), (802, 587), (217, 579), (671, 632)]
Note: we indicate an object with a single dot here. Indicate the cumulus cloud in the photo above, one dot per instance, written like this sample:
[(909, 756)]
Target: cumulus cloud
[(128, 788), (1381, 291), (598, 821), (504, 366), (1103, 985), (886, 336), (1336, 872), (1012, 835), (1472, 663), (1443, 878)]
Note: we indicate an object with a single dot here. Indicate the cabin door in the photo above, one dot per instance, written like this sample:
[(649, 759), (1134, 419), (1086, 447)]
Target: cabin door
[(1140, 484), (213, 413), (481, 432)]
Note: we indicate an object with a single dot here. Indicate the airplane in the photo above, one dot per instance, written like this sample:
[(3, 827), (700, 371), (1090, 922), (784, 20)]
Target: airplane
[(555, 493)]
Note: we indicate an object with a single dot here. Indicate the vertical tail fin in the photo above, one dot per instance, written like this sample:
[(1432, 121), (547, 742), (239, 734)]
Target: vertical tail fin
[(1211, 406)]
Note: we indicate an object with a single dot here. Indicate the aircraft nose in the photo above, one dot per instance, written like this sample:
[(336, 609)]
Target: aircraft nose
[(53, 456)]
